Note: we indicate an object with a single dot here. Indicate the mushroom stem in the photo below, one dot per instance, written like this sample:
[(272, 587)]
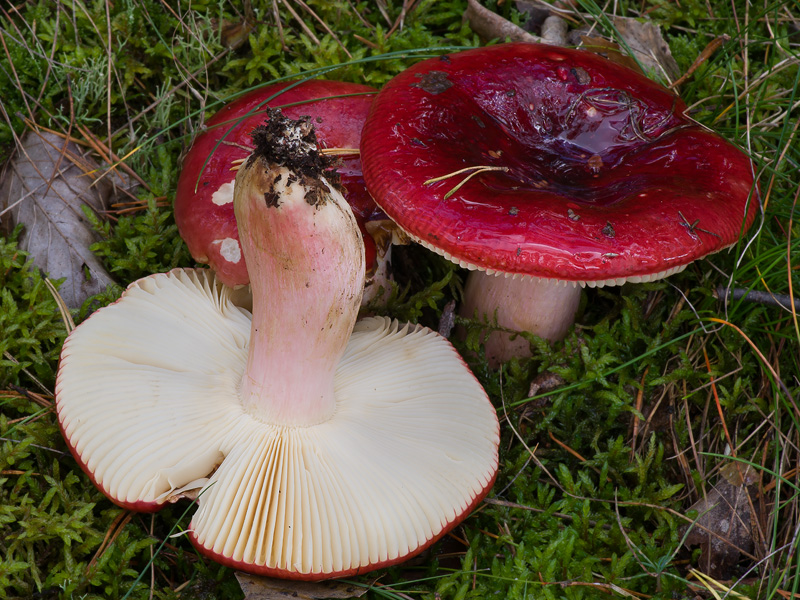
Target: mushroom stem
[(306, 262), (538, 306)]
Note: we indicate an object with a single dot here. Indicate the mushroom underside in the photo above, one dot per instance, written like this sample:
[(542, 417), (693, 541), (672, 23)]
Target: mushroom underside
[(411, 447)]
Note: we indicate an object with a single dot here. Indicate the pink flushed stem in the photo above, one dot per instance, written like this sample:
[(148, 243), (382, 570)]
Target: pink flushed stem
[(306, 265), (522, 304)]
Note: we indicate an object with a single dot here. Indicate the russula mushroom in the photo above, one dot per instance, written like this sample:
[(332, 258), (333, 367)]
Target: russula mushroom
[(544, 170), (315, 448), (204, 197)]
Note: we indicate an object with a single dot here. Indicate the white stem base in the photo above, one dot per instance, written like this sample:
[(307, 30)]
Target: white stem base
[(380, 282), (522, 304)]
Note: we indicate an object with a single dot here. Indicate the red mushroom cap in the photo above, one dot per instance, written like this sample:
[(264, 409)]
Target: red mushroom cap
[(601, 178), (205, 217)]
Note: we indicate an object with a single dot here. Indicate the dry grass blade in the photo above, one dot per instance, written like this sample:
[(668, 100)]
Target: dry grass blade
[(302, 23), (63, 309), (18, 392), (340, 151), (116, 527), (30, 375), (107, 155), (719, 405), (789, 264), (565, 447), (476, 170), (325, 26), (116, 164), (122, 208), (766, 363), (16, 76), (707, 52), (715, 587), (408, 6)]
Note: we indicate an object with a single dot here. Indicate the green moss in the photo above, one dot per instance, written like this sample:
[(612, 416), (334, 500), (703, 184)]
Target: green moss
[(31, 330), (581, 504)]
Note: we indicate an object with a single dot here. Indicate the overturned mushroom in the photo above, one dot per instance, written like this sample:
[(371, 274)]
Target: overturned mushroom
[(320, 447), (544, 170)]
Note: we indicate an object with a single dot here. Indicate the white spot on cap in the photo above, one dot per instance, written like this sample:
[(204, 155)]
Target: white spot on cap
[(224, 194), (229, 249)]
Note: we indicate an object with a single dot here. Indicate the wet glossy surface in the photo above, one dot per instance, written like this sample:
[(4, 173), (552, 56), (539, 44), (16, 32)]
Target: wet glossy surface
[(604, 176), (338, 122)]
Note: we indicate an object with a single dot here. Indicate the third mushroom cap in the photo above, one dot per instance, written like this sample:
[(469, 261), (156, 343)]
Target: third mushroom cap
[(204, 196)]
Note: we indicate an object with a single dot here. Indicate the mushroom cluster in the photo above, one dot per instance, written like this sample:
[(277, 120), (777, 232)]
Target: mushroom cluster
[(315, 446), (204, 198), (543, 170)]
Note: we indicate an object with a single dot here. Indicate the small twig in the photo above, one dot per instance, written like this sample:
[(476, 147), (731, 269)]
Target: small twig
[(769, 298), (37, 398), (5, 439), (489, 25), (570, 518)]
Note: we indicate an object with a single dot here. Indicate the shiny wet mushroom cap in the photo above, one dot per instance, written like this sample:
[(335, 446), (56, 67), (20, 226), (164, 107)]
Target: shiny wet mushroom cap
[(315, 446), (554, 168), (204, 198)]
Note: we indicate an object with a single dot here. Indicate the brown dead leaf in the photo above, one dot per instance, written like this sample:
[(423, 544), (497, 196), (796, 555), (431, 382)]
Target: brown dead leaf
[(45, 188), (489, 25), (448, 319), (724, 527), (608, 49), (235, 33), (545, 382), (648, 45), (535, 14), (266, 588)]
